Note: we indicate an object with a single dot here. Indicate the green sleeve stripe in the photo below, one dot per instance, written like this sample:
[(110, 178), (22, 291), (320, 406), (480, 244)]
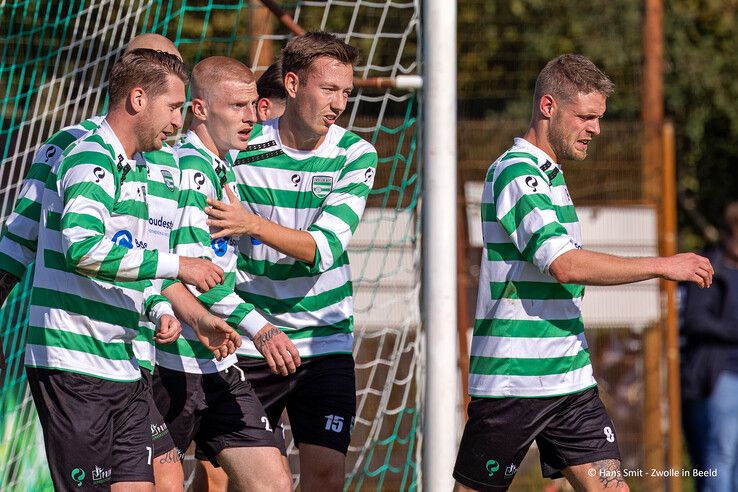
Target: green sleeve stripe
[(528, 328), (98, 311), (365, 161), (90, 125), (147, 269), (271, 305), (186, 348), (214, 295), (53, 220), (514, 171), (345, 326), (39, 171), (565, 213), (346, 214), (91, 191), (199, 164), (81, 343), (513, 366), (26, 243), (56, 261), (12, 266), (543, 234), (87, 157), (333, 242), (85, 221), (347, 140), (534, 290), (360, 190), (282, 271), (29, 209)]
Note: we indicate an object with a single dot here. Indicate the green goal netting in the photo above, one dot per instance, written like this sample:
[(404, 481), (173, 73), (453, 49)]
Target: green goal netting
[(56, 56)]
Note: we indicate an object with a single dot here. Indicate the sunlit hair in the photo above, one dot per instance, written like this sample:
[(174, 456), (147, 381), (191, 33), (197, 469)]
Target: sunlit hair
[(303, 50), (144, 68), (568, 75)]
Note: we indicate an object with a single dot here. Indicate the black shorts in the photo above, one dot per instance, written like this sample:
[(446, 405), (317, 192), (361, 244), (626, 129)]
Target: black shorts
[(320, 398), (218, 411), (569, 430), (160, 436), (96, 431)]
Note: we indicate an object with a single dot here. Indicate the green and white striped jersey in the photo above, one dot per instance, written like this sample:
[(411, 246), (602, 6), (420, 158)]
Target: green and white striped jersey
[(322, 192), (90, 285), (162, 197), (19, 237), (528, 333), (204, 176)]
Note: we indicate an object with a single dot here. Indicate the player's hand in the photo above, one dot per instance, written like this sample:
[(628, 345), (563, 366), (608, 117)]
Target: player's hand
[(168, 330), (278, 350), (203, 274), (217, 336), (689, 267), (232, 218)]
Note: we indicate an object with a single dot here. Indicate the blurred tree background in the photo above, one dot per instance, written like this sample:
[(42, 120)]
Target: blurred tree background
[(503, 45)]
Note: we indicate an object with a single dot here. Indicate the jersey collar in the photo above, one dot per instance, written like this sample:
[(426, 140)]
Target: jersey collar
[(545, 162)]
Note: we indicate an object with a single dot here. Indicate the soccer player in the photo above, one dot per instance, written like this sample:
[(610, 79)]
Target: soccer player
[(201, 398), (87, 300), (530, 376), (20, 235), (304, 183), (272, 96)]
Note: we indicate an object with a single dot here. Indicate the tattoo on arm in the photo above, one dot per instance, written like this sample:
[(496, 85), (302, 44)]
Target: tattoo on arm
[(264, 338), (609, 473), (171, 456)]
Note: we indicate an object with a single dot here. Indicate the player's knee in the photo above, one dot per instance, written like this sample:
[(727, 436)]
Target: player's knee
[(283, 483)]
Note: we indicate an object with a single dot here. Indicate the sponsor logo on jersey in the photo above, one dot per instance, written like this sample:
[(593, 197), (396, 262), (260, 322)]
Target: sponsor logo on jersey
[(492, 466), (532, 182), (199, 179), (296, 179), (511, 470), (168, 179), (49, 154), (161, 222), (78, 474), (368, 174), (100, 476), (322, 185), (99, 173), (123, 238), (220, 246)]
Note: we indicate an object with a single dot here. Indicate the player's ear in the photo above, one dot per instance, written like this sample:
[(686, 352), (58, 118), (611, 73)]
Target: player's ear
[(547, 105), (291, 82), (199, 109), (262, 109), (137, 99)]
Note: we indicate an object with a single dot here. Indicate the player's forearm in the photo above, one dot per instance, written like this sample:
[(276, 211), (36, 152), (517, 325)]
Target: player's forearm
[(186, 307), (297, 244), (584, 267)]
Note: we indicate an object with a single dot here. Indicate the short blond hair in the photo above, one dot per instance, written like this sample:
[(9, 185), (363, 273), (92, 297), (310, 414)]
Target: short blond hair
[(568, 75), (215, 70)]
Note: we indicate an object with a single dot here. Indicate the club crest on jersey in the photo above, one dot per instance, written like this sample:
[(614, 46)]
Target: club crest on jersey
[(322, 185), (168, 179)]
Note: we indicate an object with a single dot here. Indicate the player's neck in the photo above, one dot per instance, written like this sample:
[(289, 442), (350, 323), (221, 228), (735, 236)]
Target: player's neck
[(295, 134), (537, 135), (201, 130), (125, 131)]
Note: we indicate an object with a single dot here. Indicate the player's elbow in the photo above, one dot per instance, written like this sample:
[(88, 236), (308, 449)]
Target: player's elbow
[(562, 271)]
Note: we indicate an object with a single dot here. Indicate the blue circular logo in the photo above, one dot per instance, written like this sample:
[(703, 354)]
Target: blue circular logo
[(255, 241), (123, 238), (220, 246)]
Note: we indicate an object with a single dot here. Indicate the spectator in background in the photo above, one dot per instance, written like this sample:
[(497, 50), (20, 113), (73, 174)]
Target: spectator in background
[(272, 96), (710, 364)]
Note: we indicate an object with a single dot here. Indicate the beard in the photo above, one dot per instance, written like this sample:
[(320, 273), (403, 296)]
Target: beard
[(565, 151)]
